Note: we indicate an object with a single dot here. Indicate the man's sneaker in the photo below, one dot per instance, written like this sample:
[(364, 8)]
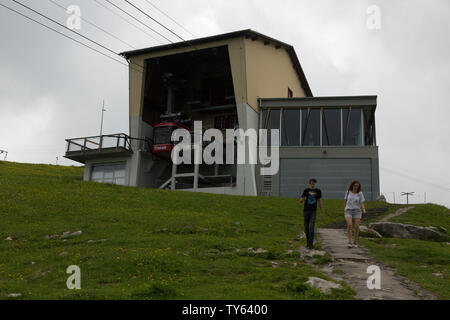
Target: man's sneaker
[(350, 245)]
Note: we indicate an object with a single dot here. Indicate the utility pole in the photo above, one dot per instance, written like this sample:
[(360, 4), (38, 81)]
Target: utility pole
[(424, 197), (407, 194), (103, 113)]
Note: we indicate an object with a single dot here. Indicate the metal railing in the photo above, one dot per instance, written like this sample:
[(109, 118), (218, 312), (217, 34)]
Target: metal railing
[(111, 141)]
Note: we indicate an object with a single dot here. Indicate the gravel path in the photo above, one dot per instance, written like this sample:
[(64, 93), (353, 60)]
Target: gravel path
[(396, 214), (353, 263)]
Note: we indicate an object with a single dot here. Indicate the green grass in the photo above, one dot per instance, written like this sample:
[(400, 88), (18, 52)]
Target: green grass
[(426, 215), (159, 244), (417, 259)]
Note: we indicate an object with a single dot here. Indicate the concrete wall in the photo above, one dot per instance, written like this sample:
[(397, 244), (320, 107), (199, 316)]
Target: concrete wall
[(90, 163), (246, 179), (270, 73), (333, 176), (358, 162)]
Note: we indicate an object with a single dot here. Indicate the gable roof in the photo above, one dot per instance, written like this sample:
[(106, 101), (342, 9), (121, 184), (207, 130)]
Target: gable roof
[(248, 33)]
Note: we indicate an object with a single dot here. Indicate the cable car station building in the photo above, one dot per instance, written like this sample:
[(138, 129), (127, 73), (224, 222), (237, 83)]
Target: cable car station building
[(236, 80)]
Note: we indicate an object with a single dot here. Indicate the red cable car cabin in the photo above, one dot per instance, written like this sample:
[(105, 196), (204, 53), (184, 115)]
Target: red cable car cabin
[(162, 136)]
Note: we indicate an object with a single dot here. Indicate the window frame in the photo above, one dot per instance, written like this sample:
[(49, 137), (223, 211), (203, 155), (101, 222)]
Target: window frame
[(114, 178), (305, 113)]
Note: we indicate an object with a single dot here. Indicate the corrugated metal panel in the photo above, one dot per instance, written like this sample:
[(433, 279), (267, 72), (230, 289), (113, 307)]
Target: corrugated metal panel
[(333, 176)]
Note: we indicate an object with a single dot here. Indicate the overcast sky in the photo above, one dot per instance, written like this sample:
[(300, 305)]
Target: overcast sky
[(52, 88)]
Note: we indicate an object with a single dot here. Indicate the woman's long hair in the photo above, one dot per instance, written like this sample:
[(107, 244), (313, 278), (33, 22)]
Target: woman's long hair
[(350, 187)]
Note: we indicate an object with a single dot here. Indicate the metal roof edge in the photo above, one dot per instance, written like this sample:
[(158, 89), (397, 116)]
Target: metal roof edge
[(362, 100), (241, 33)]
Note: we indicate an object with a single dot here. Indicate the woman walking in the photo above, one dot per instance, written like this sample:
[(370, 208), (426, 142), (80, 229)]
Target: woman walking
[(354, 201)]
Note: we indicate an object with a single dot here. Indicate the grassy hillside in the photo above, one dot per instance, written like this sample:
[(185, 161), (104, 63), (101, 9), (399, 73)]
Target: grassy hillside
[(425, 262), (148, 244), (426, 215)]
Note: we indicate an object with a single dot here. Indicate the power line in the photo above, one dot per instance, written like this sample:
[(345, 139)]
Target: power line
[(150, 17), (138, 20), (418, 180), (94, 25), (79, 34), (140, 10), (173, 20), (64, 35), (405, 172), (65, 27), (127, 21)]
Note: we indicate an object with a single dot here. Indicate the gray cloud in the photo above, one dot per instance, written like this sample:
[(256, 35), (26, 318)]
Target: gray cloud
[(52, 88)]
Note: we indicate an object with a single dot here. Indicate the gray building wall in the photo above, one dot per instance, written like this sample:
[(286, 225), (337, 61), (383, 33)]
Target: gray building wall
[(333, 167), (90, 163), (245, 175)]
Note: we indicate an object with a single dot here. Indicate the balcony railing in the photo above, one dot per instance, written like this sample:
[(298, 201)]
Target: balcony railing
[(119, 141)]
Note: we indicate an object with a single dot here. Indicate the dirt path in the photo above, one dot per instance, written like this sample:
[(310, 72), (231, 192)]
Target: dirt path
[(396, 213), (353, 263)]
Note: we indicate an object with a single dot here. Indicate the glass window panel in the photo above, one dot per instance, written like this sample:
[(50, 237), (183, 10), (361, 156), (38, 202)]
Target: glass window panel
[(312, 125), (290, 135), (119, 174), (274, 119), (108, 175), (352, 126), (104, 167), (97, 168), (262, 125), (369, 126), (162, 135), (97, 175), (273, 123), (331, 127), (120, 181)]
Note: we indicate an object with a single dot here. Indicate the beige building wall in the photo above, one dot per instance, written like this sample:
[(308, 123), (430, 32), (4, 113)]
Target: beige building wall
[(270, 73), (237, 59)]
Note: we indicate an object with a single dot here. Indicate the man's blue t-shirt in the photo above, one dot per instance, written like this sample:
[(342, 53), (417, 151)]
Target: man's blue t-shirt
[(312, 196)]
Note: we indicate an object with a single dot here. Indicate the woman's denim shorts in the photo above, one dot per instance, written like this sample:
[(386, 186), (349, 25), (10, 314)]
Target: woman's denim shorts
[(353, 213)]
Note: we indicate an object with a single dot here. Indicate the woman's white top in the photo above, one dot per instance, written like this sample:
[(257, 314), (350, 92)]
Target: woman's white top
[(354, 200)]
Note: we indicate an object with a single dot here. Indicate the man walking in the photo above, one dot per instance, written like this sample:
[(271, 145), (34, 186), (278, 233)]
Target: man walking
[(311, 196)]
